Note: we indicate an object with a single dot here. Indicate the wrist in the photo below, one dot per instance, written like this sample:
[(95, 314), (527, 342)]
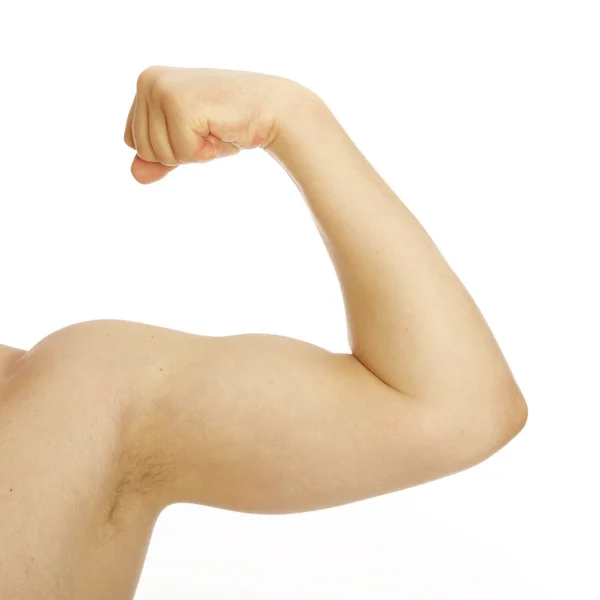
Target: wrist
[(296, 108)]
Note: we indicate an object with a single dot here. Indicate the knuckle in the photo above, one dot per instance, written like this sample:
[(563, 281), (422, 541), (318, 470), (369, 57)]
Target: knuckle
[(147, 78), (169, 100), (158, 90)]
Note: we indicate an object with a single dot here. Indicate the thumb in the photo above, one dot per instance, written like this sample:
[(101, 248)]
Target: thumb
[(148, 172)]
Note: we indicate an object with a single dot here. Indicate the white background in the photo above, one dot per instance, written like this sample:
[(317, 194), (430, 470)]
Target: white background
[(482, 116)]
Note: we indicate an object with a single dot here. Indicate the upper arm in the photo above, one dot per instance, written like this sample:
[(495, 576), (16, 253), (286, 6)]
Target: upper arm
[(269, 424)]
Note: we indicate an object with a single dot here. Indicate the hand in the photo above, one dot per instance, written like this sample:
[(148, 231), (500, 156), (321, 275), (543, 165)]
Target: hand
[(182, 115)]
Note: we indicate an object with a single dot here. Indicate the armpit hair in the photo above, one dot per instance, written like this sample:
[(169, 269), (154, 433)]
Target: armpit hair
[(145, 467)]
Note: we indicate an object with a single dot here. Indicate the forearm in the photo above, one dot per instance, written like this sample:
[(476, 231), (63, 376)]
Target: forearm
[(410, 319)]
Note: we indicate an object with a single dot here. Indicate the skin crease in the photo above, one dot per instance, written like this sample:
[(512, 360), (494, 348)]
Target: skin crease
[(105, 423)]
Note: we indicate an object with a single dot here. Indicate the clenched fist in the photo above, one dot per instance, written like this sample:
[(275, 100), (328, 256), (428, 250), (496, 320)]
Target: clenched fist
[(182, 115)]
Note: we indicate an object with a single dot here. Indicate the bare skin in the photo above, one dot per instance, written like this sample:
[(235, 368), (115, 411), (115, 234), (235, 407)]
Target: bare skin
[(105, 423)]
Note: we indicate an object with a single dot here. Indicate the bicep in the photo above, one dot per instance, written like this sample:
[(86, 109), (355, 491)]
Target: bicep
[(269, 424)]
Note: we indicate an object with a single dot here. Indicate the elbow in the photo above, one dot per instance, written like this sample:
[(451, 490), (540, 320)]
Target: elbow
[(516, 414), (485, 427), (505, 418), (522, 416)]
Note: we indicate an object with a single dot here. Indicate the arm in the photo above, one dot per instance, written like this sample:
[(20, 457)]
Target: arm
[(410, 320), (265, 423)]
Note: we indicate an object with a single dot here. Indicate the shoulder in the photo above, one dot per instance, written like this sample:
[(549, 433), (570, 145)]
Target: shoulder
[(126, 369), (111, 375), (104, 359), (113, 344), (89, 364), (80, 398)]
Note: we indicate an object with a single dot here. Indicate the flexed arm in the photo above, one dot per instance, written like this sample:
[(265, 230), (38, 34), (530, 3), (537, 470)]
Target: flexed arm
[(268, 424)]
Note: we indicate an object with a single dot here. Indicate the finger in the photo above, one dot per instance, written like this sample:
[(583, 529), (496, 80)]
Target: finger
[(148, 172), (129, 126), (190, 144), (210, 147), (140, 131), (227, 149), (159, 137)]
